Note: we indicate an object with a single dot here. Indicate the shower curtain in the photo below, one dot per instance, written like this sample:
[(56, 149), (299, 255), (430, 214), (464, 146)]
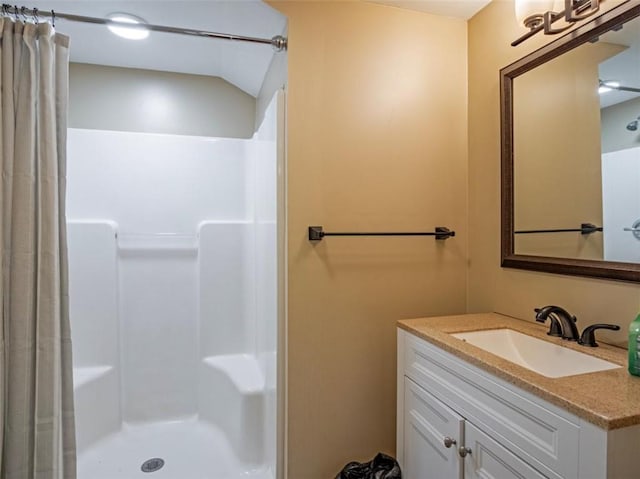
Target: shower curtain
[(36, 386)]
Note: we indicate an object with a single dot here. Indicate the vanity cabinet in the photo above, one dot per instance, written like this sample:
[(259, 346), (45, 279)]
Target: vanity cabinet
[(439, 443), (504, 431)]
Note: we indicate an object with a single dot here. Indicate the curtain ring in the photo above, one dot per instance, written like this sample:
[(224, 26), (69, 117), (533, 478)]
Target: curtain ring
[(35, 15), (15, 13), (53, 18), (24, 15)]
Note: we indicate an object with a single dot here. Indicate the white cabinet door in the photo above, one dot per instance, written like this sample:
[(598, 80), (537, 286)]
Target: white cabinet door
[(427, 424), (488, 459)]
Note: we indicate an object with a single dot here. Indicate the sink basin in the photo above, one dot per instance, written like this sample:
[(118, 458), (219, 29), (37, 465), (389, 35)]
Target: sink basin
[(542, 357)]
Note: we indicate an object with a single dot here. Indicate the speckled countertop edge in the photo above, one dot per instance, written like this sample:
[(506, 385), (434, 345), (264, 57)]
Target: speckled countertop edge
[(609, 399)]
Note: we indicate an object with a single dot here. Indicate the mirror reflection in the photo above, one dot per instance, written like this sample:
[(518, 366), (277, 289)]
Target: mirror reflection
[(576, 144)]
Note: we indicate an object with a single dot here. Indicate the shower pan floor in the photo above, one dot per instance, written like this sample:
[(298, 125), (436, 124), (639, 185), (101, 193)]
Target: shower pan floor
[(190, 449)]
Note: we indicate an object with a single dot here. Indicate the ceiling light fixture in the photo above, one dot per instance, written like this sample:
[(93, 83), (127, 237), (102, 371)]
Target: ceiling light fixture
[(608, 85), (136, 31)]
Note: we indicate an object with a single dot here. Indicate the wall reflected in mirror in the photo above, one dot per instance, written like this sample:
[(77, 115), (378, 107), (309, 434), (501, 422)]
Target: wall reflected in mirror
[(576, 151)]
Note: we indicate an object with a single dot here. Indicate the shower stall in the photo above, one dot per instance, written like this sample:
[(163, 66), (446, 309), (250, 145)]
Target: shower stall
[(173, 265)]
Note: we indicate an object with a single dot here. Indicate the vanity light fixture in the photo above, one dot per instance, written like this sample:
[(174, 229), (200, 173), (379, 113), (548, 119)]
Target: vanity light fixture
[(528, 11), (136, 31), (542, 20)]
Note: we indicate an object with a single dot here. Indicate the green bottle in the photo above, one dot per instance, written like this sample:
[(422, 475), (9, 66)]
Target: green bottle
[(634, 347)]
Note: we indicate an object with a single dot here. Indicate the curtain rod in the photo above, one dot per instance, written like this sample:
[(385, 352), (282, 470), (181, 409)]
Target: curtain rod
[(279, 43)]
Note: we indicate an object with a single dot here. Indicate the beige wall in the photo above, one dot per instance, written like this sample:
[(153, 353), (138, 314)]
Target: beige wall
[(615, 119), (129, 99), (511, 291), (377, 140)]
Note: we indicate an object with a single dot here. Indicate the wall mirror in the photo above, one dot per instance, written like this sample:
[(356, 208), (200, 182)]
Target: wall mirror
[(571, 152)]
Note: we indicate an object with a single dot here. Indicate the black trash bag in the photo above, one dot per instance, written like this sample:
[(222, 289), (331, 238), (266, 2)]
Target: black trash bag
[(382, 467)]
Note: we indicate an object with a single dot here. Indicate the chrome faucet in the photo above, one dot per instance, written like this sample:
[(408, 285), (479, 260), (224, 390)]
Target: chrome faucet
[(563, 324)]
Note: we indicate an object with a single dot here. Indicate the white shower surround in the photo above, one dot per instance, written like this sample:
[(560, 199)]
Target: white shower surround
[(173, 285), (621, 204)]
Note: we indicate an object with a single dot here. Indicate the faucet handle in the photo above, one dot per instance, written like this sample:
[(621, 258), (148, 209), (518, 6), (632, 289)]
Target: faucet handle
[(588, 337)]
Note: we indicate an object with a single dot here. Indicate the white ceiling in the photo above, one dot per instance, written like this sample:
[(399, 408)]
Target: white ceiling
[(242, 64), (448, 8)]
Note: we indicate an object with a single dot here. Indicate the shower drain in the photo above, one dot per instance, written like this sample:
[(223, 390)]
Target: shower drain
[(152, 465)]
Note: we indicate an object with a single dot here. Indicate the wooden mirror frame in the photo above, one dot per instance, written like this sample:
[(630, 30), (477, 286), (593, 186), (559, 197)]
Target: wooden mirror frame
[(569, 266)]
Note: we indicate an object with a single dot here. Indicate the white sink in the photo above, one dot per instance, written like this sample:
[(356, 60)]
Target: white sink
[(540, 356)]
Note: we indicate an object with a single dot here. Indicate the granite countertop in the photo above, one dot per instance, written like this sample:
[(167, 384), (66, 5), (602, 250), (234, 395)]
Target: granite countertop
[(609, 399)]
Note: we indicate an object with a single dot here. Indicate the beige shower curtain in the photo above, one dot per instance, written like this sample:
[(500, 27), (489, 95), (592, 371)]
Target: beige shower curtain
[(36, 388)]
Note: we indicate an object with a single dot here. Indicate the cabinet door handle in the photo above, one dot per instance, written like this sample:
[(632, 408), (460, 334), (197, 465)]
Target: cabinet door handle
[(448, 442), (463, 451)]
